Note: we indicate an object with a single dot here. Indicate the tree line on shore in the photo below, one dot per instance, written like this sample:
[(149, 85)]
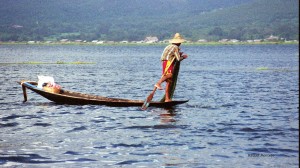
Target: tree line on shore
[(134, 20)]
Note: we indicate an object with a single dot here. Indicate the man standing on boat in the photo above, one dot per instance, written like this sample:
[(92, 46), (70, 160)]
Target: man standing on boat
[(170, 54)]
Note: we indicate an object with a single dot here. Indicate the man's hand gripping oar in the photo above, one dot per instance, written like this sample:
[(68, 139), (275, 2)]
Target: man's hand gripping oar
[(150, 97)]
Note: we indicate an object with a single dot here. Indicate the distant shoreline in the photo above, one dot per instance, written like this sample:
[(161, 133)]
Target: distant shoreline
[(150, 44)]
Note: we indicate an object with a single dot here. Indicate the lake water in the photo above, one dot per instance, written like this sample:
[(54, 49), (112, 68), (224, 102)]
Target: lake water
[(243, 108)]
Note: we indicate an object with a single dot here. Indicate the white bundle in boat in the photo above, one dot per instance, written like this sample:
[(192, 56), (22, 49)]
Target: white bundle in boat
[(44, 79)]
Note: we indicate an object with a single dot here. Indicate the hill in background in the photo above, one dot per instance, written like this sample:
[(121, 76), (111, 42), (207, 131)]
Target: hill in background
[(117, 20)]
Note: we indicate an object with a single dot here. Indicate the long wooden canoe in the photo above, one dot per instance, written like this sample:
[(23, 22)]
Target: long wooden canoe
[(76, 98)]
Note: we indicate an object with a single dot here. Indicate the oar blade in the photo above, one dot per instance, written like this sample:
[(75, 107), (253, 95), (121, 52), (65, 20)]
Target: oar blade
[(147, 102), (145, 105)]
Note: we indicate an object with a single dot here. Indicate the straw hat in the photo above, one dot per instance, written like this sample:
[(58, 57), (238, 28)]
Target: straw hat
[(177, 39)]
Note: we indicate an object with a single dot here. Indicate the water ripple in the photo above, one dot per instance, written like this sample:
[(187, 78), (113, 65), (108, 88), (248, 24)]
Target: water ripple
[(13, 124), (25, 158), (234, 109), (77, 129)]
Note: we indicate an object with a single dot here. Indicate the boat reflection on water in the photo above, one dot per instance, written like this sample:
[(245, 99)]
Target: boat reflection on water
[(167, 115)]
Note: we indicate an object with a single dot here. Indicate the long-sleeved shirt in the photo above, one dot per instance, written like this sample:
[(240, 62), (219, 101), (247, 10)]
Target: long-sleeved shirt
[(170, 52)]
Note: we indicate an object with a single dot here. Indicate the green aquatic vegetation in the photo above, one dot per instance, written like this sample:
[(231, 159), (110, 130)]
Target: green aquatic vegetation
[(57, 62), (77, 62), (262, 68), (276, 69)]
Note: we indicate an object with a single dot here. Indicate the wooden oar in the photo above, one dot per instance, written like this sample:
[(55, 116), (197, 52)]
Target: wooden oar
[(174, 81), (150, 97), (24, 93)]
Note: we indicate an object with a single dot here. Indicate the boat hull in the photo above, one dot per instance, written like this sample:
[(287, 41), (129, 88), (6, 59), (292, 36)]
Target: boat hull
[(76, 98)]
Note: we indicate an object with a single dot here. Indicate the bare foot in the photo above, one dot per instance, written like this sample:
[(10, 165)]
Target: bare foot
[(168, 100)]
